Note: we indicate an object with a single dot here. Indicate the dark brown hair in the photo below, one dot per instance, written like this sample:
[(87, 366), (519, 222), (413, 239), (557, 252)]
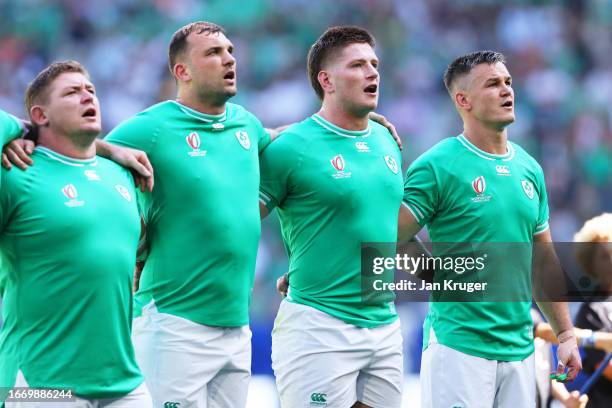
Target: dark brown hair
[(465, 63), (178, 43), (38, 90), (333, 40)]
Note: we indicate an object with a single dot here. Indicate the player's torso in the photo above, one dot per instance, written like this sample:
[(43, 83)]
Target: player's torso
[(74, 214), (353, 181), (486, 199), (207, 178)]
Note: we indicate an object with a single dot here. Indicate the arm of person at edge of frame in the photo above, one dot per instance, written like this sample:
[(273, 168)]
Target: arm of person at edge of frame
[(557, 314)]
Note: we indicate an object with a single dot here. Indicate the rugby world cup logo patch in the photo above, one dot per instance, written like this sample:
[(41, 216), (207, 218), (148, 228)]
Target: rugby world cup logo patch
[(71, 193), (392, 164), (528, 188), (479, 185), (193, 140), (339, 164), (243, 138)]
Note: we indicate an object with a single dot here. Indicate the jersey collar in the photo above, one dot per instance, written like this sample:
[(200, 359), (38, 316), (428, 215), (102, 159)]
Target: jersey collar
[(481, 153), (338, 130), (65, 159), (201, 116)]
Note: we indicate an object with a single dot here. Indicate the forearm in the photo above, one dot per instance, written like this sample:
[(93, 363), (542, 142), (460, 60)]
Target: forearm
[(104, 149), (557, 315)]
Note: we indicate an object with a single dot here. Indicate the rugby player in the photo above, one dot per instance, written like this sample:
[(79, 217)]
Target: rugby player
[(69, 230), (478, 187), (335, 179)]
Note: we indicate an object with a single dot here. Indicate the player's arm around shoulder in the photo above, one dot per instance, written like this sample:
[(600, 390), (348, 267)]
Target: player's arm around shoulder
[(277, 163)]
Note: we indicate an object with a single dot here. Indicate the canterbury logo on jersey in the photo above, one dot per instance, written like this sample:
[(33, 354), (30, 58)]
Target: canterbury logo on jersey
[(502, 170), (243, 138), (193, 140), (170, 404), (91, 175), (70, 192), (362, 147), (338, 163), (318, 399)]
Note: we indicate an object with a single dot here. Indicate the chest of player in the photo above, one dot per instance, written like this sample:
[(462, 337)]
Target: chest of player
[(344, 171), (494, 191), (73, 203), (207, 156)]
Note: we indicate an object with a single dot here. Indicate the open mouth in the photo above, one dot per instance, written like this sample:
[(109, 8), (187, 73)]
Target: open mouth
[(507, 104), (89, 113), (230, 75), (371, 89)]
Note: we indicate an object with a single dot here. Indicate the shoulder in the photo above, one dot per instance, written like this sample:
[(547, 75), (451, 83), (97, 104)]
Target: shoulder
[(150, 118), (113, 169), (239, 112), (292, 139), (440, 153), (525, 158)]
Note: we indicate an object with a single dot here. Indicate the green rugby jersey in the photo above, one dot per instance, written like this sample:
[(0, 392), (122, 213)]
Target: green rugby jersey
[(465, 195), (334, 190), (68, 232), (203, 222)]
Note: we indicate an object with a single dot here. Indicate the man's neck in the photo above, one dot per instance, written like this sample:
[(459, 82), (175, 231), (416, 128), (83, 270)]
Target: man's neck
[(77, 147), (206, 107), (342, 118), (493, 141)]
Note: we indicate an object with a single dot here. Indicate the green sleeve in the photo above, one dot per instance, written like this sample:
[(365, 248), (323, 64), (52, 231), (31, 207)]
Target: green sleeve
[(263, 137), (139, 132), (421, 191), (276, 164), (10, 127), (543, 215)]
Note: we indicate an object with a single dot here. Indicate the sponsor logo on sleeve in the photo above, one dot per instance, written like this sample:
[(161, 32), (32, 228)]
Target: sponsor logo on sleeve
[(71, 193), (243, 138), (338, 163), (193, 140), (528, 188)]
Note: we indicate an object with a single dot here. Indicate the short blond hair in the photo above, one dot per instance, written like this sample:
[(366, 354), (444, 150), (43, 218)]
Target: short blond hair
[(597, 229)]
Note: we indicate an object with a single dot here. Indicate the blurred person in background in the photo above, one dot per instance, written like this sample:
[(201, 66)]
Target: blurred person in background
[(69, 229), (594, 254), (336, 181), (480, 188)]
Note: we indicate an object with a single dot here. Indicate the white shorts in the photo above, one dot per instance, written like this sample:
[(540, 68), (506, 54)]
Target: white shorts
[(190, 364), (138, 398), (320, 361), (450, 378)]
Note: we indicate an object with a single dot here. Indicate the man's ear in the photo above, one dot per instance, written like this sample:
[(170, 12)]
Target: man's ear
[(181, 72), (462, 100), (39, 116), (326, 82)]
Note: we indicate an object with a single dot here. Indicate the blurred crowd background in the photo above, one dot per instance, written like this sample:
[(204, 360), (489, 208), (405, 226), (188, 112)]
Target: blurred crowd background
[(559, 53)]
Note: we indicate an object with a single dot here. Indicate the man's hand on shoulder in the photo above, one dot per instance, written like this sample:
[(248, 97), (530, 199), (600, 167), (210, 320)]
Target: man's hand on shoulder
[(381, 120), (17, 152), (132, 159)]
